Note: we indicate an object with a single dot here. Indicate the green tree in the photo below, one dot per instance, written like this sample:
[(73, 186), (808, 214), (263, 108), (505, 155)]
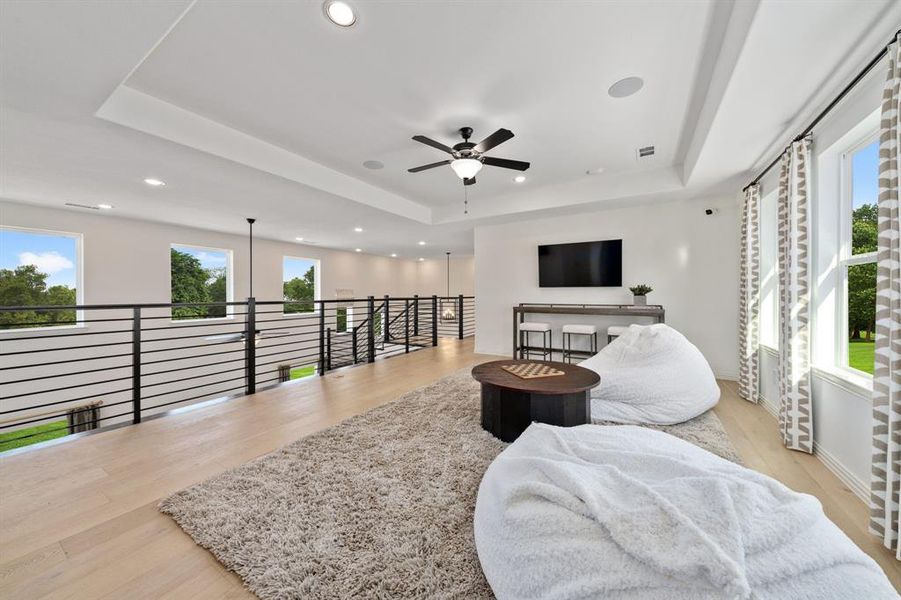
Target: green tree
[(216, 284), (862, 278), (26, 286), (300, 289), (189, 284)]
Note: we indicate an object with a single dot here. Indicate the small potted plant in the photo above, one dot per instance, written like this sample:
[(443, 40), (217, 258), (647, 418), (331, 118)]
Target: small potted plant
[(640, 293)]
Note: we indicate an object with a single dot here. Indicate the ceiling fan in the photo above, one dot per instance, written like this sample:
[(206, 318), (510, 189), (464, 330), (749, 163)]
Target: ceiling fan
[(223, 338), (468, 158)]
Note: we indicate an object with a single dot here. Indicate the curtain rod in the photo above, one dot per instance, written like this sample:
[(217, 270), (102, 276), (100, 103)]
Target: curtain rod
[(807, 130)]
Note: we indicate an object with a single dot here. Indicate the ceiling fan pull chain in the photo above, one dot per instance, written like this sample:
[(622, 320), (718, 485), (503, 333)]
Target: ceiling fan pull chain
[(465, 200)]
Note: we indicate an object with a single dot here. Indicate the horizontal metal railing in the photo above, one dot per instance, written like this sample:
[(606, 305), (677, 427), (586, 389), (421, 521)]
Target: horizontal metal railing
[(105, 365)]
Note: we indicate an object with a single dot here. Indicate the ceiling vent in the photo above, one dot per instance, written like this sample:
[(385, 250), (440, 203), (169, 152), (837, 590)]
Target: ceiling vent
[(646, 152), (87, 206)]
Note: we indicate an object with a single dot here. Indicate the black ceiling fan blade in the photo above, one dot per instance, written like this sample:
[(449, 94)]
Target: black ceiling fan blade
[(495, 139), (430, 142), (429, 166), (470, 181), (506, 163)]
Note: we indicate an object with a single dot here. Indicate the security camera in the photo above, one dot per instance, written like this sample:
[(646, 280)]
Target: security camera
[(710, 211)]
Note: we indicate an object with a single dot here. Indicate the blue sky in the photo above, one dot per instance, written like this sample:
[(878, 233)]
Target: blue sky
[(865, 175), (209, 259), (296, 267), (54, 255)]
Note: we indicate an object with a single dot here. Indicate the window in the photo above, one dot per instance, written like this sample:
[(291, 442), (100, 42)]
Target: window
[(200, 276), (858, 254), (300, 284), (39, 268)]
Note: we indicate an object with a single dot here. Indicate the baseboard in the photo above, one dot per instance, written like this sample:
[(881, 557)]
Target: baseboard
[(858, 487)]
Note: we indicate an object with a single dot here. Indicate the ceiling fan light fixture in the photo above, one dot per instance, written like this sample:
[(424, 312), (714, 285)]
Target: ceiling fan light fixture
[(466, 168)]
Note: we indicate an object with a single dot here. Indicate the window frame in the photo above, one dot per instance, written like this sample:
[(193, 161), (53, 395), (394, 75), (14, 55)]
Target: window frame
[(229, 283), (79, 277), (317, 286), (845, 257)]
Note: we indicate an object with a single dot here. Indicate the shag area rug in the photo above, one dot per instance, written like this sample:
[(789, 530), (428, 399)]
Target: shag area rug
[(378, 506)]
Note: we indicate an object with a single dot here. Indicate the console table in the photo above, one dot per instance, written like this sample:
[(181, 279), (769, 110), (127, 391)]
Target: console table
[(654, 311)]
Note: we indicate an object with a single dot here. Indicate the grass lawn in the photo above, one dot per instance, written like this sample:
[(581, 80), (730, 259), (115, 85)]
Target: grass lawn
[(43, 432), (860, 355), (301, 372)]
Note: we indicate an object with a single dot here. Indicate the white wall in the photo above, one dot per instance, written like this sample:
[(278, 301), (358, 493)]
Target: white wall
[(432, 276), (127, 261), (690, 259)]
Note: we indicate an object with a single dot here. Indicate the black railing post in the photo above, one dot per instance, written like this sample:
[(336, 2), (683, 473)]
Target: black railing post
[(370, 329), (434, 320), (328, 346), (250, 346), (321, 338), (460, 314), (353, 339), (136, 365), (386, 334), (407, 327), (415, 314)]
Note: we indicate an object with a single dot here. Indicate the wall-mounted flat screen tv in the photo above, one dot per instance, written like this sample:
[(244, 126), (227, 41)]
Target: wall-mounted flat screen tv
[(585, 264)]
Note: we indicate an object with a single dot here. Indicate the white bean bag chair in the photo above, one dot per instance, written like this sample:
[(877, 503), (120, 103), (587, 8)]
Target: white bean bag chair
[(631, 513), (651, 375)]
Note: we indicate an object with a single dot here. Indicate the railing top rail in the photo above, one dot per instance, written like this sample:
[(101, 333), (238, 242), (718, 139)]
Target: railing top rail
[(133, 305)]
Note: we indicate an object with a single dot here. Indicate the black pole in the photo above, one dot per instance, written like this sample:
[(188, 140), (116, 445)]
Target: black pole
[(407, 327), (385, 334), (370, 330), (353, 340), (321, 337), (136, 365), (328, 352), (416, 314), (857, 79), (250, 347), (434, 320), (250, 222), (460, 315)]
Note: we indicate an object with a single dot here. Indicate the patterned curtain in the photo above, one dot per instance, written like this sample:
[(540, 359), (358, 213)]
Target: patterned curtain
[(886, 470), (795, 416), (749, 301)]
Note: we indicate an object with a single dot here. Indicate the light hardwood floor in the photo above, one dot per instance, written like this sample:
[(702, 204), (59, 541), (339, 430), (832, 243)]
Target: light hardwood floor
[(79, 519)]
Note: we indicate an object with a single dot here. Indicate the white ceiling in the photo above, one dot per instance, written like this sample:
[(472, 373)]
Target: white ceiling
[(266, 109)]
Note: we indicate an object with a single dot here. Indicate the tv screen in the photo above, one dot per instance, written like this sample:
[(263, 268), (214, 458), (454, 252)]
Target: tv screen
[(586, 264)]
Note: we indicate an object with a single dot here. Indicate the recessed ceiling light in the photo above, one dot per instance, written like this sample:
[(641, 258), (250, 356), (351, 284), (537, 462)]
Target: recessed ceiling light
[(299, 239), (104, 206), (358, 250), (340, 13), (154, 182), (393, 255), (358, 229), (375, 165), (421, 259), (626, 87), (519, 178), (421, 243)]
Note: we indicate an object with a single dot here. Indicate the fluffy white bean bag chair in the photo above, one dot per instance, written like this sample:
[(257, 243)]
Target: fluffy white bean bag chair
[(651, 375), (633, 513)]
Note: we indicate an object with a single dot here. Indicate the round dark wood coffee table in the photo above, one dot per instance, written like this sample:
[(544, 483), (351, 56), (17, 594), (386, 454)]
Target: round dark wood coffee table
[(511, 403)]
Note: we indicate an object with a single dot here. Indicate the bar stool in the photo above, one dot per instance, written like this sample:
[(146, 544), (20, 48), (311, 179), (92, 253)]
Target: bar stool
[(547, 339), (570, 330), (616, 331)]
